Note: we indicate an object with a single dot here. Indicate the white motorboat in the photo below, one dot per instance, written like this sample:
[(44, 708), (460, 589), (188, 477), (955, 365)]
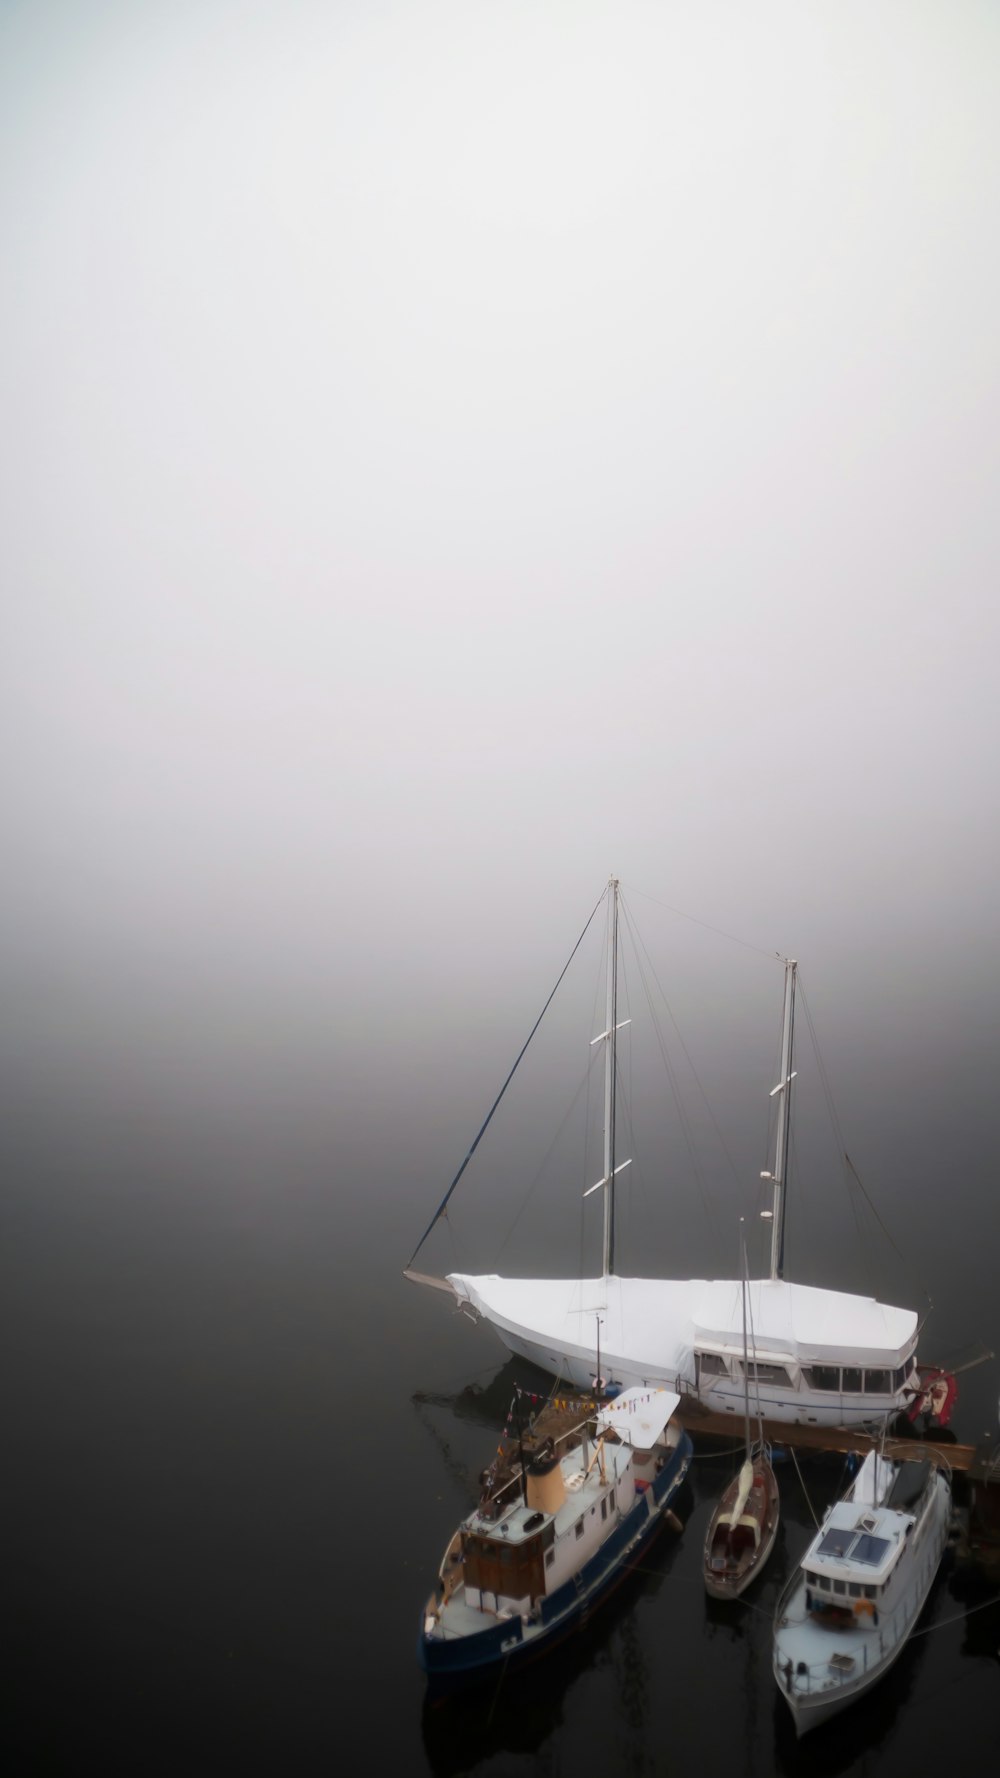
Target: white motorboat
[(849, 1607)]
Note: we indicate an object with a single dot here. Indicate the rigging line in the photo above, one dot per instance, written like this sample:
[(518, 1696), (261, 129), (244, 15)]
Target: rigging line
[(682, 1118), (747, 946), (959, 1618), (842, 1152), (804, 1488), (460, 1472), (496, 1694), (586, 1163), (440, 1209), (623, 1092), (857, 1177), (821, 1068), (585, 1082), (753, 1342), (638, 940)]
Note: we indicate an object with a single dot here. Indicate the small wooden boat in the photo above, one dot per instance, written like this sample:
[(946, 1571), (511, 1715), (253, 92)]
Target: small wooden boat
[(744, 1525), (742, 1529)]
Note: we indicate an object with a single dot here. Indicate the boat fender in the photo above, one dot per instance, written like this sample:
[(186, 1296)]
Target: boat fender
[(861, 1605)]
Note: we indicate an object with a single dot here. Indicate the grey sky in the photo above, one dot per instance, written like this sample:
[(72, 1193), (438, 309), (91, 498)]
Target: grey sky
[(452, 451)]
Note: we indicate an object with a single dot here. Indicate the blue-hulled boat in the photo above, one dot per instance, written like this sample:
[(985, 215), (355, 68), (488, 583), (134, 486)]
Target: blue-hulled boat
[(562, 1519)]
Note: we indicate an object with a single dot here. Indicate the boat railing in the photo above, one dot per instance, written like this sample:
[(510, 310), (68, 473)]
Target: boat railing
[(795, 1580), (914, 1451)]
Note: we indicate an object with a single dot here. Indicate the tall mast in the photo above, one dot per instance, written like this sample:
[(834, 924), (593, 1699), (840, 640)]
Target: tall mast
[(746, 1361), (784, 1087), (609, 1038), (610, 1057)]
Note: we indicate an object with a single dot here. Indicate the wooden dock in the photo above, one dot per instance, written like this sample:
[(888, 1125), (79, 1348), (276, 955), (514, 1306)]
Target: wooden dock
[(699, 1421)]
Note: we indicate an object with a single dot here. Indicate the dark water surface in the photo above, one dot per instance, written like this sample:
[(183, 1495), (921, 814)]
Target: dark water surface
[(237, 1443)]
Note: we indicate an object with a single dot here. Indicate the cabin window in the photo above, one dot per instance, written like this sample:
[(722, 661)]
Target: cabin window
[(839, 1586), (769, 1373), (604, 1507), (854, 1589), (852, 1380), (870, 1592), (579, 1527), (550, 1556), (711, 1365), (824, 1376), (878, 1382)]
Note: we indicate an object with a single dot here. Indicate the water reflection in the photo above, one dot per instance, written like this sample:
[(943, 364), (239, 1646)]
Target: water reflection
[(518, 1713)]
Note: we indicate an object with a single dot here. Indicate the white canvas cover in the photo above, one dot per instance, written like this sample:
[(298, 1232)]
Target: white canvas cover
[(650, 1327), (639, 1415), (817, 1326)]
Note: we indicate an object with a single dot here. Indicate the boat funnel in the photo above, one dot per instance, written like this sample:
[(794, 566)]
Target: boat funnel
[(546, 1490)]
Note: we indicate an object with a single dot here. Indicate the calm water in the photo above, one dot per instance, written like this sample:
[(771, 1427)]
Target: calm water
[(237, 1442)]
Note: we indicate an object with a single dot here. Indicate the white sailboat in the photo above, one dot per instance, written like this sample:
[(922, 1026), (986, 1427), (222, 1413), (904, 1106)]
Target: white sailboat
[(823, 1357)]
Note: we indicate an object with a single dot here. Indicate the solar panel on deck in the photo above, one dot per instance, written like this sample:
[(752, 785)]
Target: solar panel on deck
[(836, 1542), (870, 1549)]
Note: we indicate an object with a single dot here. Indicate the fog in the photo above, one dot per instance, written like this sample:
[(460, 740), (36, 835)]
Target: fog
[(456, 452)]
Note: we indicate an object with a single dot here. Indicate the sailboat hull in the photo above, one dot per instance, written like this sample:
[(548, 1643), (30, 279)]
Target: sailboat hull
[(735, 1553), (823, 1357)]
